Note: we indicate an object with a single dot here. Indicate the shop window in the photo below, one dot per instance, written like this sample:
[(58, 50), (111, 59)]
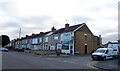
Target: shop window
[(65, 47)]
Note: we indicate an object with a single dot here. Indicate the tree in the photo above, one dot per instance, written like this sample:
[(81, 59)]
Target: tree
[(4, 40)]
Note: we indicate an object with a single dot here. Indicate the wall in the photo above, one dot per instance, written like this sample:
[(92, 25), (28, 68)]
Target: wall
[(80, 41)]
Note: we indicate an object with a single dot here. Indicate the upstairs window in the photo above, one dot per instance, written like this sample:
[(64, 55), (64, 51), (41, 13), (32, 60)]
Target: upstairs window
[(55, 37), (85, 37), (40, 39), (66, 36), (46, 39), (34, 41)]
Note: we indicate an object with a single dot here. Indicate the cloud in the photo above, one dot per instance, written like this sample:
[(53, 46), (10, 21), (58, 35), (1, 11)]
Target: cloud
[(35, 19), (38, 23), (8, 7), (81, 19), (10, 24), (112, 37), (34, 16)]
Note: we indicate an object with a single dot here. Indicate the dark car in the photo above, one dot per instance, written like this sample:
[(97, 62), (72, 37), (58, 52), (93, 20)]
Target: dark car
[(4, 49)]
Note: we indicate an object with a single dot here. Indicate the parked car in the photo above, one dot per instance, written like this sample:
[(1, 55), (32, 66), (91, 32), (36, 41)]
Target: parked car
[(4, 49), (103, 54)]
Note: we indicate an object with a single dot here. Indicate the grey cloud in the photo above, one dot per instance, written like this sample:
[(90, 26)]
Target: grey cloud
[(36, 19), (95, 9), (8, 7), (103, 29), (114, 18), (4, 5), (107, 31), (81, 19), (40, 22), (10, 24), (111, 5), (113, 37)]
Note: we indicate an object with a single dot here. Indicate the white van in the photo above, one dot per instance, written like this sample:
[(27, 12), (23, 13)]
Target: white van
[(103, 54), (115, 47)]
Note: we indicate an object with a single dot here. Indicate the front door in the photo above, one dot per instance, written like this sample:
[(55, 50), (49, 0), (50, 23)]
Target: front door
[(71, 50), (85, 49)]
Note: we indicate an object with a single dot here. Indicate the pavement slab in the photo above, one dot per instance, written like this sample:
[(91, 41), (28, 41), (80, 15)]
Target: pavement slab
[(108, 65)]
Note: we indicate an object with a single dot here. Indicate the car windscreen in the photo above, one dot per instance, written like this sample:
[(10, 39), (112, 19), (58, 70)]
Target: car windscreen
[(100, 51)]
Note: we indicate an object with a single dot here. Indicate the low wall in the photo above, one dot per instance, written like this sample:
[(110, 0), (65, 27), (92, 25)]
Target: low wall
[(41, 52), (44, 52)]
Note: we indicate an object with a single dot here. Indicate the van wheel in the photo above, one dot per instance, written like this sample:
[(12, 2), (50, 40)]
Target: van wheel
[(93, 59), (104, 58), (112, 57)]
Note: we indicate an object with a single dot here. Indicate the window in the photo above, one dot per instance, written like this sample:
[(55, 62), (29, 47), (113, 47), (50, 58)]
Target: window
[(52, 47), (106, 52), (17, 42), (40, 39), (66, 36), (46, 39), (41, 47), (30, 40), (34, 40), (26, 41), (65, 47), (100, 51), (85, 37), (56, 37)]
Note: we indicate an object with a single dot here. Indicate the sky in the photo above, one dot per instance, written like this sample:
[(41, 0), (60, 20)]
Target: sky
[(35, 16)]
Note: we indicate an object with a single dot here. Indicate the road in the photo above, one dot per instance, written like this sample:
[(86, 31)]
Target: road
[(21, 60)]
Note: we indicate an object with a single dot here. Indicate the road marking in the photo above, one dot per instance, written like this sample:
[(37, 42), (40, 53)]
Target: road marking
[(91, 64)]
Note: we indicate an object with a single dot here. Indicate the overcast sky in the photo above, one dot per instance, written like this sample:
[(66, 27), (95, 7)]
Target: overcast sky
[(34, 16)]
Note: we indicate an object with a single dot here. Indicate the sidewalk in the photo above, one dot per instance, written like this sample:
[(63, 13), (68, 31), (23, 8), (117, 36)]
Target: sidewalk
[(54, 55), (64, 55), (108, 64)]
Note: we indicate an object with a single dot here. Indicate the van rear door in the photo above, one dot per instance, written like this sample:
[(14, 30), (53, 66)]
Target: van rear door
[(110, 53)]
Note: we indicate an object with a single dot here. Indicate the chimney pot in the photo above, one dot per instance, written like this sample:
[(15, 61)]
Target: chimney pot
[(66, 25), (53, 29), (26, 35), (41, 33), (33, 34)]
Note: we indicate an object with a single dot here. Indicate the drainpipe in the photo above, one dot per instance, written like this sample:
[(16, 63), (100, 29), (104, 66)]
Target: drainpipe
[(73, 43)]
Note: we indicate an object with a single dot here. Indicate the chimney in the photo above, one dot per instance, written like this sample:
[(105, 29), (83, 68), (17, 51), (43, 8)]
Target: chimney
[(99, 36), (53, 29), (66, 25), (33, 34), (41, 33), (26, 35)]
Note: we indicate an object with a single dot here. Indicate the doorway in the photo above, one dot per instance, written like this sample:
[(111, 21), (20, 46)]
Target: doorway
[(85, 49), (71, 50)]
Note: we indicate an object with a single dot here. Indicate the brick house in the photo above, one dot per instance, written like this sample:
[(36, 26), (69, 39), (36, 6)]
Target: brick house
[(76, 39)]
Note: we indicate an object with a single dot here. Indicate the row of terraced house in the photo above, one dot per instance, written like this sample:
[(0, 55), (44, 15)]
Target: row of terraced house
[(76, 39)]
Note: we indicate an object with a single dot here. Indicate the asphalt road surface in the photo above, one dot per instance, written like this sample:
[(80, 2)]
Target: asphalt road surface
[(21, 60)]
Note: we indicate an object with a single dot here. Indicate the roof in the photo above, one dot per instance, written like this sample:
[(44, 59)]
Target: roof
[(71, 28), (40, 35), (104, 48)]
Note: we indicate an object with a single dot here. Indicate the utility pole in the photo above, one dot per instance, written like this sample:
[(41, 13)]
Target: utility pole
[(20, 33), (19, 37)]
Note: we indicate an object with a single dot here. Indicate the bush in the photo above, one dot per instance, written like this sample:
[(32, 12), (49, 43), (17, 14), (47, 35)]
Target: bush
[(4, 40), (9, 47)]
